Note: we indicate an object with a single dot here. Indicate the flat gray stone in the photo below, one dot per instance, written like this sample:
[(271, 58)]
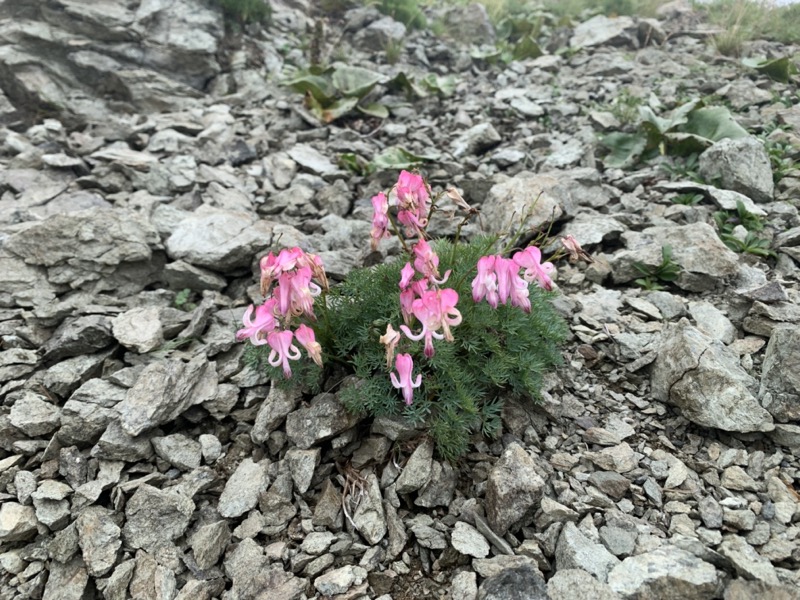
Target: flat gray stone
[(242, 489)]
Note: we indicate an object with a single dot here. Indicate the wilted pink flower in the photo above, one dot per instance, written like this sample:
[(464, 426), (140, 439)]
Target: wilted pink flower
[(305, 335), (282, 350), (380, 219), (272, 267), (531, 260), (574, 250), (390, 340), (405, 365), (510, 285), (258, 328), (485, 284)]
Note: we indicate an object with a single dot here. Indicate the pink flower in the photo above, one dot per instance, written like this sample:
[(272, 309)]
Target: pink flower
[(485, 284), (427, 262), (435, 310), (412, 202), (305, 335), (407, 297), (282, 350), (390, 340), (531, 260), (288, 259), (574, 250), (258, 328), (405, 365), (303, 292), (406, 274), (380, 219)]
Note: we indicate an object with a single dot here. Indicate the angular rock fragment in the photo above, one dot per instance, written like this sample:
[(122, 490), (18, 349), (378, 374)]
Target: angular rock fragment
[(323, 419), (513, 489), (155, 517), (576, 551), (242, 489), (99, 539)]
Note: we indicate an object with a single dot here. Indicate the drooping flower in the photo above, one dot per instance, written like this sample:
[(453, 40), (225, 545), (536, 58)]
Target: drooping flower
[(380, 219), (282, 350), (574, 250), (485, 283), (257, 329), (412, 202), (403, 380), (406, 275), (426, 262), (390, 340), (435, 310), (305, 335), (531, 260)]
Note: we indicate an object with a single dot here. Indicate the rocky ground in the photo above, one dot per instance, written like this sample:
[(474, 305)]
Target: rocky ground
[(145, 153)]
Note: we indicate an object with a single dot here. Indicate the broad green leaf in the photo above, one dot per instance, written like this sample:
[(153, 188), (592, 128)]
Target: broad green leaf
[(684, 144), (489, 54), (444, 86), (374, 110), (398, 158), (316, 85), (354, 163), (403, 82), (780, 69), (355, 81), (625, 148), (526, 48), (338, 109), (713, 123)]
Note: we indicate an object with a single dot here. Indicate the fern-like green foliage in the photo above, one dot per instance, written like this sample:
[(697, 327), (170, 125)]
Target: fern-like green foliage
[(497, 353)]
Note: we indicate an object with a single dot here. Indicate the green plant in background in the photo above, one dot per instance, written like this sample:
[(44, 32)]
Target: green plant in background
[(780, 69), (182, 300), (690, 128), (727, 221), (472, 330), (744, 20), (625, 107), (407, 12), (667, 272), (393, 51), (683, 168), (244, 12), (688, 199)]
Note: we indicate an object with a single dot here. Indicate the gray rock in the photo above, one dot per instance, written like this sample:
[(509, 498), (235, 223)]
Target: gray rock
[(17, 522), (99, 539), (328, 510), (602, 30), (180, 275), (476, 140), (519, 583), (705, 381), (117, 444), (209, 542), (666, 572), (302, 464), (741, 589), (780, 379), (15, 363), (66, 581), (554, 512), (513, 490), (592, 228), (417, 471), (164, 390), (610, 483), (489, 567), (369, 518), (428, 537), (712, 322), (88, 412), (620, 542), (323, 419), (219, 240), (576, 551), (81, 335), (468, 540), (577, 584), (527, 195), (710, 512), (178, 450), (464, 585), (242, 489), (317, 543), (210, 446), (155, 517), (139, 328), (620, 458), (440, 488), (312, 160), (764, 318), (64, 377), (741, 165), (470, 22), (747, 562), (704, 261), (32, 414), (378, 34), (339, 581), (736, 478)]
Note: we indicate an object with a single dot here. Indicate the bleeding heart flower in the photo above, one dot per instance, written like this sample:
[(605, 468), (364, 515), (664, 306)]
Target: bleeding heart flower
[(258, 328), (282, 350), (305, 335), (403, 380), (380, 219), (531, 260)]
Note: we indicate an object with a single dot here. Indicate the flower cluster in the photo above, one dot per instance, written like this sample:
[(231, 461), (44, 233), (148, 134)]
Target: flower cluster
[(411, 197), (499, 281), (286, 284)]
